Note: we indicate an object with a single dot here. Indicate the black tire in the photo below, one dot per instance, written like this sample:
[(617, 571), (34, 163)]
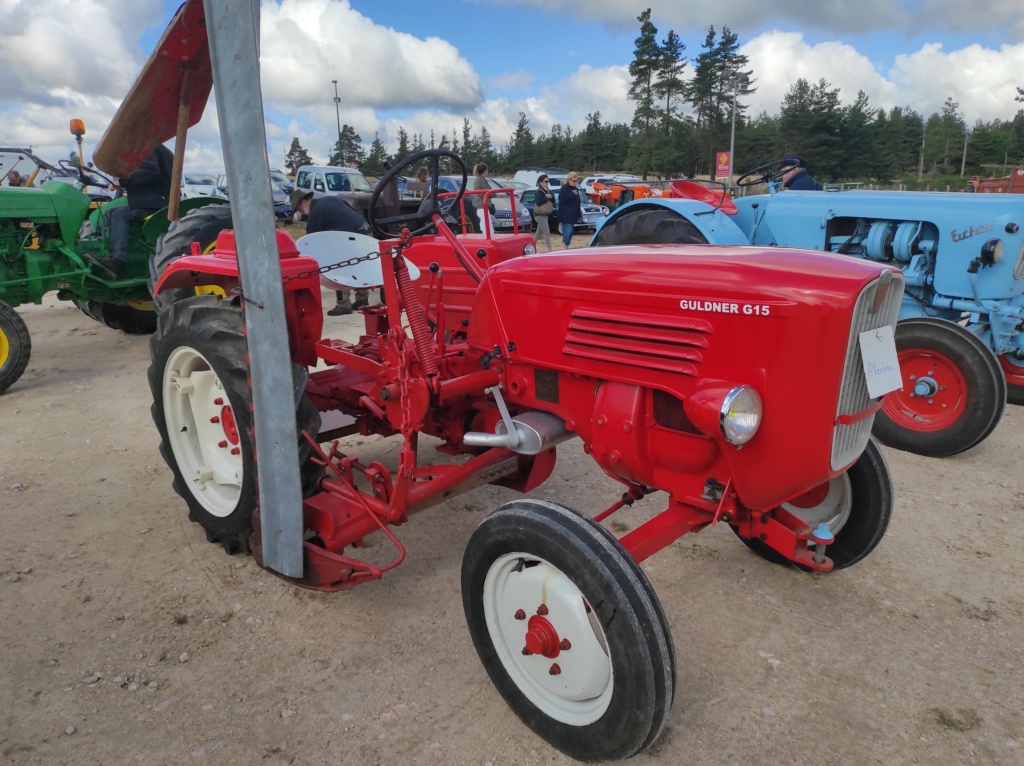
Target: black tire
[(127, 319), (863, 495), (625, 658), (15, 346), (205, 334), (649, 227), (969, 396), (201, 225)]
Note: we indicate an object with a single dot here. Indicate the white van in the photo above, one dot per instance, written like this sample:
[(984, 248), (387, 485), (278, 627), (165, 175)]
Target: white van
[(530, 176), (328, 179)]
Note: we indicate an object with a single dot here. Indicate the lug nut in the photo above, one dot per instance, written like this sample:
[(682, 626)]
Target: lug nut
[(222, 445), (565, 645), (235, 451), (555, 670), (214, 419), (218, 401), (542, 609), (526, 652), (520, 614)]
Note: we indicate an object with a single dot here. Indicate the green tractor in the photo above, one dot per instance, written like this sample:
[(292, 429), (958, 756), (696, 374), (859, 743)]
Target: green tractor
[(45, 233)]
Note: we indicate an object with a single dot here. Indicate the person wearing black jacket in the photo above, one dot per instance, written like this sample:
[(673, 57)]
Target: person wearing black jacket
[(149, 190), (332, 213), (795, 175), (570, 207)]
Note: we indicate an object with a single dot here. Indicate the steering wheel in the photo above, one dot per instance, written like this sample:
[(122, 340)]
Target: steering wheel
[(87, 180), (762, 174), (423, 217)]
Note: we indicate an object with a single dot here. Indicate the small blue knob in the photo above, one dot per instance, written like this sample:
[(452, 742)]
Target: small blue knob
[(824, 532)]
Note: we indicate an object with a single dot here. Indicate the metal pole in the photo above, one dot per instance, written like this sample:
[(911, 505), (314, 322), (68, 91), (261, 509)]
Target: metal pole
[(233, 27), (732, 134), (337, 113), (963, 162)]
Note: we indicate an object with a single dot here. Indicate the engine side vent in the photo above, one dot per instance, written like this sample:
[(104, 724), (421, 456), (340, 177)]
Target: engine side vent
[(668, 413), (656, 343), (545, 385)]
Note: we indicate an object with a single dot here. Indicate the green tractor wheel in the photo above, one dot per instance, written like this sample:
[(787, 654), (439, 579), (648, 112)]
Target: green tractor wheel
[(15, 346), (130, 319), (201, 225)]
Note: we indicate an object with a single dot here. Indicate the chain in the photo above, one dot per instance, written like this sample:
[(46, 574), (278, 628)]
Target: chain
[(324, 269)]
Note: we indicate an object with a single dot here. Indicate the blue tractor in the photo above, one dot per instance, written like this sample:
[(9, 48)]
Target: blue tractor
[(960, 338)]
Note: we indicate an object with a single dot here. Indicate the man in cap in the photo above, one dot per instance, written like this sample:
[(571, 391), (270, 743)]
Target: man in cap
[(794, 174), (332, 213)]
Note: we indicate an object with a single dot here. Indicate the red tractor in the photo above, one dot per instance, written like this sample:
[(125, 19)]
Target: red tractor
[(731, 382)]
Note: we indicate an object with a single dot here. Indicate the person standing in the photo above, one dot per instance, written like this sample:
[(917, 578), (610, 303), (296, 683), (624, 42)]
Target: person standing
[(480, 182), (332, 213), (570, 207), (543, 207), (149, 190), (795, 175)]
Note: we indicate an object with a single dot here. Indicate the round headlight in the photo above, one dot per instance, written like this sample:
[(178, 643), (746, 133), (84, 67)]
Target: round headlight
[(992, 251), (529, 249), (740, 415), (605, 210)]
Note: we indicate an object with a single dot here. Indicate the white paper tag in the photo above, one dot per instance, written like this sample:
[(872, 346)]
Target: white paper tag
[(881, 365)]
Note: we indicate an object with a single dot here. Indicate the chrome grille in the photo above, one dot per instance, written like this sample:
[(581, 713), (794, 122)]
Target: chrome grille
[(848, 441), (655, 343)]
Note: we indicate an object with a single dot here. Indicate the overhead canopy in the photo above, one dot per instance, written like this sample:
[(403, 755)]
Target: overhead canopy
[(178, 72)]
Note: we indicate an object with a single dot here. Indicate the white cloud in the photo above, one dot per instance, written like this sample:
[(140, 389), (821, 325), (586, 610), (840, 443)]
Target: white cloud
[(308, 43)]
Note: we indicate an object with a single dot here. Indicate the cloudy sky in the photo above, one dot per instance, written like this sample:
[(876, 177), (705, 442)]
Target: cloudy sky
[(427, 65)]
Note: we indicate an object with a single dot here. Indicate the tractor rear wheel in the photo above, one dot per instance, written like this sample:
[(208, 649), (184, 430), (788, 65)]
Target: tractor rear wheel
[(201, 225), (202, 409), (650, 227), (15, 346), (857, 506), (953, 393), (128, 319), (569, 630)]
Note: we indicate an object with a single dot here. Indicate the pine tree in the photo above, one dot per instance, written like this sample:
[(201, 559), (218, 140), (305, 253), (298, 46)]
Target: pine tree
[(647, 59), (403, 149), (296, 157), (348, 149), (377, 158), (521, 149)]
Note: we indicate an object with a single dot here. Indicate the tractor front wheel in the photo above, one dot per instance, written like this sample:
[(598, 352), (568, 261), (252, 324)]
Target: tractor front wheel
[(15, 346), (953, 393), (202, 226), (569, 630), (202, 407), (857, 506)]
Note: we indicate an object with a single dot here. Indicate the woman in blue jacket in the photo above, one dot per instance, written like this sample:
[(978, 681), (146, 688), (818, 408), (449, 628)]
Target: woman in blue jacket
[(569, 206)]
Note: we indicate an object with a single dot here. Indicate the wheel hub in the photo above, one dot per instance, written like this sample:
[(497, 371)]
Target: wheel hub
[(925, 387), (542, 638), (578, 688)]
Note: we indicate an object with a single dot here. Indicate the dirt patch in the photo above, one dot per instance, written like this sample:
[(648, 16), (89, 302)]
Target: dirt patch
[(127, 638)]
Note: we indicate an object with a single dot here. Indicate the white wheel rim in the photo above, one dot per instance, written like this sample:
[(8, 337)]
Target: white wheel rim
[(200, 429), (581, 691), (834, 509)]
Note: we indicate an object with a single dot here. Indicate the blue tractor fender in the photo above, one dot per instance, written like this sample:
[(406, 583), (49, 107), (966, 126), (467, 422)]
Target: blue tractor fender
[(715, 226)]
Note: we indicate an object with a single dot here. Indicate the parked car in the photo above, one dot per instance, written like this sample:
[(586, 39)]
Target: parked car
[(509, 183), (607, 180), (590, 214), (200, 185), (501, 205), (282, 201), (281, 179)]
